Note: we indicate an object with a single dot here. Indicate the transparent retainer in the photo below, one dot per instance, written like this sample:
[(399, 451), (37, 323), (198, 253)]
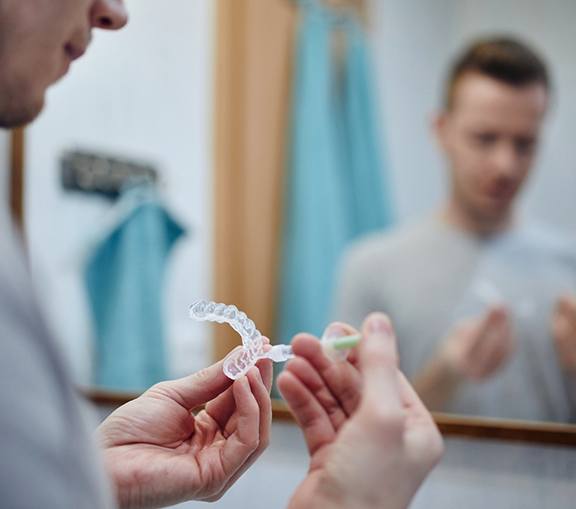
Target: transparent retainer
[(239, 360)]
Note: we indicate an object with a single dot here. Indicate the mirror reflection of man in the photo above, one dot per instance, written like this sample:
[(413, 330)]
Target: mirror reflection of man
[(483, 302)]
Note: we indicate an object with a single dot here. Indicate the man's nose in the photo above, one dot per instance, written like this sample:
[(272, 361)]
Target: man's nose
[(506, 161), (109, 14)]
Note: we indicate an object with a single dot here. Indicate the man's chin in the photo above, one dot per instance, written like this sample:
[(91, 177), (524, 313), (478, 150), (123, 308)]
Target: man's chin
[(14, 116), (495, 211), (500, 205)]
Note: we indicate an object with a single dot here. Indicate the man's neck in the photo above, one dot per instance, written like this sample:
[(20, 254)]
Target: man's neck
[(455, 216)]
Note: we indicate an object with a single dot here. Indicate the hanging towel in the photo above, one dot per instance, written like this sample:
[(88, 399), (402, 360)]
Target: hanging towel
[(315, 228), (334, 189), (367, 196), (124, 280)]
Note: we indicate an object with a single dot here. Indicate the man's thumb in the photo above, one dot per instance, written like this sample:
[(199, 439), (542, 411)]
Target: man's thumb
[(198, 388)]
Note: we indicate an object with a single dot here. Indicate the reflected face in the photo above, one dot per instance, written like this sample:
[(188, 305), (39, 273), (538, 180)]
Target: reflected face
[(490, 138), (39, 39)]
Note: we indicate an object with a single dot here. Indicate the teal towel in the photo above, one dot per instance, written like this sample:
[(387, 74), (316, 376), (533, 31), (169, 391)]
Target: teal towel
[(124, 279), (334, 190)]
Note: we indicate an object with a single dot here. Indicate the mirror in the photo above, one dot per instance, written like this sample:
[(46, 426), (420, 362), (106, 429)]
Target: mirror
[(482, 325), (207, 105)]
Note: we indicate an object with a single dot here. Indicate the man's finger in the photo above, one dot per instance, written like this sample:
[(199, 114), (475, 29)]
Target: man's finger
[(262, 395), (412, 402), (222, 408), (240, 445), (496, 317), (567, 305), (341, 377), (265, 367), (308, 412), (309, 376), (379, 366), (420, 425), (492, 321), (495, 346)]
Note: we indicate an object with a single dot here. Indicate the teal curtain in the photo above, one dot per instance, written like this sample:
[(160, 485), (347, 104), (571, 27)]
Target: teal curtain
[(334, 189), (370, 206)]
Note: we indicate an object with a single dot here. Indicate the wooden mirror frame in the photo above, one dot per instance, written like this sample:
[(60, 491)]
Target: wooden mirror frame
[(450, 425), (243, 28), (16, 178)]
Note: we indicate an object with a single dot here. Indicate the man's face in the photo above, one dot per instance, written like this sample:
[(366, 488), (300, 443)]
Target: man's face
[(490, 137), (39, 39)]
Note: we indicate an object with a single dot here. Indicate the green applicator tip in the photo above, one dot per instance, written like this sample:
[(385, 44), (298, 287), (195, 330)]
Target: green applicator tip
[(343, 343)]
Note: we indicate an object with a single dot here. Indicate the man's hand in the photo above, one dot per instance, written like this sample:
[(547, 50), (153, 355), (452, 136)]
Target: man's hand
[(371, 440), (564, 332), (478, 348), (159, 453)]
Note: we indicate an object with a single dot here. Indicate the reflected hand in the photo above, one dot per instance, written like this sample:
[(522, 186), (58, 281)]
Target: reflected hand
[(478, 348), (564, 332), (159, 453), (370, 439)]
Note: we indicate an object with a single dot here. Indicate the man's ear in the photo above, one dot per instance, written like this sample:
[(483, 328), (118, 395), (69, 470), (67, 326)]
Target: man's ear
[(440, 125)]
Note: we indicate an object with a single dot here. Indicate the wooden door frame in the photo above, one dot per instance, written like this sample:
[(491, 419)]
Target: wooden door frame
[(254, 44)]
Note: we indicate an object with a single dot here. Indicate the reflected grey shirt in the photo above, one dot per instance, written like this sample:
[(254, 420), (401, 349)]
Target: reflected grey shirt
[(47, 458), (428, 276)]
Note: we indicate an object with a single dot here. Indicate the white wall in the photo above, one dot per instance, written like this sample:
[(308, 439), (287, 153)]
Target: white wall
[(414, 42), (410, 38), (143, 93)]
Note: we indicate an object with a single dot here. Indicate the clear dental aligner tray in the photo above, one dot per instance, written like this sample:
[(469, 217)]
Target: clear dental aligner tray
[(239, 361)]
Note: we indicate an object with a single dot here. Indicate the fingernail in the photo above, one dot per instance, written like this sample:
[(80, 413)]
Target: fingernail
[(334, 330), (256, 373), (379, 325)]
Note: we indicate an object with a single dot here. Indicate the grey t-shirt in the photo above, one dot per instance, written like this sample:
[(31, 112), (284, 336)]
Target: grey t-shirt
[(47, 458), (428, 276)]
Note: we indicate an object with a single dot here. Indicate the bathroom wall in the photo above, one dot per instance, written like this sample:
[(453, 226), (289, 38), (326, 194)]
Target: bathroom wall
[(143, 93)]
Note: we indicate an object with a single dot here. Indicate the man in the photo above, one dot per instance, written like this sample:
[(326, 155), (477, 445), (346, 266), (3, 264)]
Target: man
[(155, 449), (482, 303)]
